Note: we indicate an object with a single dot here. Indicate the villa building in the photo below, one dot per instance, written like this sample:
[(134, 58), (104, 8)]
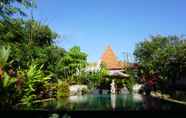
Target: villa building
[(110, 61)]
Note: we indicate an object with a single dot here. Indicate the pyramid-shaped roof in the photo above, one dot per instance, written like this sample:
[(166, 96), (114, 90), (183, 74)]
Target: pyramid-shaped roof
[(110, 60)]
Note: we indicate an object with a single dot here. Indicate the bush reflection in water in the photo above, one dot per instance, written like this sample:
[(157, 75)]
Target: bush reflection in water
[(96, 102)]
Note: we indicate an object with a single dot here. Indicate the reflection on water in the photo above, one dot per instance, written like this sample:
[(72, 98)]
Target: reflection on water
[(137, 97), (78, 99), (113, 101), (110, 103)]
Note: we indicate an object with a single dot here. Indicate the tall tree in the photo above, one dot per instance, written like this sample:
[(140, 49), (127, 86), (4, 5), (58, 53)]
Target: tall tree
[(73, 61), (161, 57), (24, 50), (12, 7)]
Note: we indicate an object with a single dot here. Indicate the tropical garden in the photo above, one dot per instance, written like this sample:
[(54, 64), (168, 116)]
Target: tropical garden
[(161, 64), (33, 68)]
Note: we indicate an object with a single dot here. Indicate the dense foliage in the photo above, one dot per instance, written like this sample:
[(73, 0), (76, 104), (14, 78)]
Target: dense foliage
[(62, 89), (162, 61), (32, 67), (12, 7), (131, 80), (73, 62)]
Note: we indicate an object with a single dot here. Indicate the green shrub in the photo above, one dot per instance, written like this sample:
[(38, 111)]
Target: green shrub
[(51, 90), (34, 78), (62, 89), (4, 55), (84, 91), (7, 91)]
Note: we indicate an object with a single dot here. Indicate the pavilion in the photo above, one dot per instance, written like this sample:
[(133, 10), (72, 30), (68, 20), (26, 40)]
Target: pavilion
[(109, 59), (115, 67)]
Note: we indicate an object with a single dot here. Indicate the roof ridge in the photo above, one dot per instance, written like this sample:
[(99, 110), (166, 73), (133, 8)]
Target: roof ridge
[(110, 59)]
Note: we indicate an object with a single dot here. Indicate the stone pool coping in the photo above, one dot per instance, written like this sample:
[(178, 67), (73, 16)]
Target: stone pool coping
[(166, 97)]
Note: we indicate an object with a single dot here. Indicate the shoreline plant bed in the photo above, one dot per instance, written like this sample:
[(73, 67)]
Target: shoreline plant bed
[(37, 101)]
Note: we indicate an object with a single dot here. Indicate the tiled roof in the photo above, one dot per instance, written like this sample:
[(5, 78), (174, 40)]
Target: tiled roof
[(110, 60)]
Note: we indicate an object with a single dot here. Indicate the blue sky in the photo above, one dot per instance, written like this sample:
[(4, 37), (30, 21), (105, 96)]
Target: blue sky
[(94, 24)]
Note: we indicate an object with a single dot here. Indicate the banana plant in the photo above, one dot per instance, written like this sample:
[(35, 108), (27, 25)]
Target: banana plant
[(4, 55), (8, 89), (34, 76), (7, 81)]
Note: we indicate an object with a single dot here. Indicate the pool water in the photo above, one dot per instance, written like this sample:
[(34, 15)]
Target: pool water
[(121, 102)]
